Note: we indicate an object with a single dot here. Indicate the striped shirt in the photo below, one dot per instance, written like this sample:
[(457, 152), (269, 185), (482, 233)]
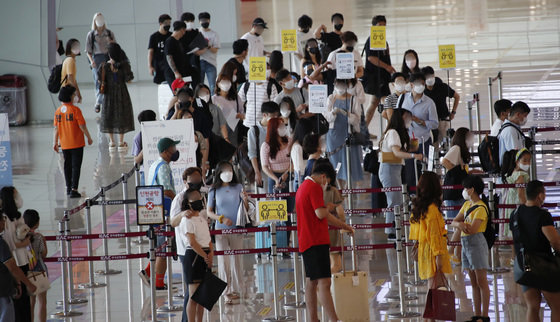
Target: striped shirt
[(391, 101), (282, 161), (254, 101)]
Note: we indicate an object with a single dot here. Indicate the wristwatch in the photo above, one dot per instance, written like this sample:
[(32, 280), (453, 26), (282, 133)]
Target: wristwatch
[(453, 112)]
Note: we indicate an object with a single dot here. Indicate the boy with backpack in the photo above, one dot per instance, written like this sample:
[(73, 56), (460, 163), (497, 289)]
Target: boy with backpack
[(501, 108), (511, 137), (254, 94)]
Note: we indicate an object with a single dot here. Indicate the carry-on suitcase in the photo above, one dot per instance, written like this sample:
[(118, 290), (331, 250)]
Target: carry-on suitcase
[(263, 238), (350, 291), (13, 99)]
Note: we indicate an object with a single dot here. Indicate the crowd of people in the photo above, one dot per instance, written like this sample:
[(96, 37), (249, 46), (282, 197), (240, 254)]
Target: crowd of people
[(277, 144)]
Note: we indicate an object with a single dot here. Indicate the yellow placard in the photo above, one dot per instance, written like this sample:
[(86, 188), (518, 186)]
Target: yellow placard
[(289, 40), (447, 56), (377, 38), (257, 69), (273, 210)]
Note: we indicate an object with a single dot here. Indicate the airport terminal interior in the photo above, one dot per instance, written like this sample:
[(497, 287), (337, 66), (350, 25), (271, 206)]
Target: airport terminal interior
[(509, 46)]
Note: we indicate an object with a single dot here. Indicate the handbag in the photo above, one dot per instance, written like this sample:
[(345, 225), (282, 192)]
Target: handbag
[(209, 290), (390, 157), (246, 217), (102, 80), (440, 304), (40, 280)]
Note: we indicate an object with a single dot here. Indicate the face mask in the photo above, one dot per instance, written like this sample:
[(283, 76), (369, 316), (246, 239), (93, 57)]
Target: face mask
[(197, 205), (340, 90), (338, 26), (190, 25), (205, 98), (166, 28), (399, 87), (184, 105), (419, 89), (314, 50), (18, 200), (175, 156), (350, 48), (282, 131), (234, 78), (290, 84), (407, 87), (226, 176), (76, 50), (466, 195), (75, 99), (469, 142), (205, 25), (352, 90), (99, 21), (325, 185), (524, 167), (411, 63), (430, 81), (408, 123), (285, 111), (195, 185), (224, 85), (523, 122)]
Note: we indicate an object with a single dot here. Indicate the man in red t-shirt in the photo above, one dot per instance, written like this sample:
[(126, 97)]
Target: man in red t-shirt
[(313, 219)]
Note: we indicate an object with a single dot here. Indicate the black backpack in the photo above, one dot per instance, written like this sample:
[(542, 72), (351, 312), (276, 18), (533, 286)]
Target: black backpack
[(490, 232), (54, 83), (489, 150)]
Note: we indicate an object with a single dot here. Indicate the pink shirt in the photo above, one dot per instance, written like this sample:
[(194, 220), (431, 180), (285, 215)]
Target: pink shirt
[(282, 161)]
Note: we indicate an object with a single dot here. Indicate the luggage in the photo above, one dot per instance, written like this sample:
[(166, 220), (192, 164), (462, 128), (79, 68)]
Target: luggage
[(350, 292), (13, 99), (263, 238)]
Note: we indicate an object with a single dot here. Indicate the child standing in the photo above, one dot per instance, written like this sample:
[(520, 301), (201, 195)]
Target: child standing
[(39, 249), (515, 169)]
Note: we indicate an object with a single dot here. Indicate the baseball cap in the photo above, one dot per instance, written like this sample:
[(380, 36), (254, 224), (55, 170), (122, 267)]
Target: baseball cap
[(178, 83), (260, 22), (165, 143)]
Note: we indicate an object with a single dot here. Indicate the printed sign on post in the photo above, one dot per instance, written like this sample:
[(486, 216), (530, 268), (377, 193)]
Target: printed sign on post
[(273, 210), (149, 205), (447, 56), (345, 65), (377, 38), (431, 154), (182, 130), (318, 95), (257, 69), (289, 40), (6, 178)]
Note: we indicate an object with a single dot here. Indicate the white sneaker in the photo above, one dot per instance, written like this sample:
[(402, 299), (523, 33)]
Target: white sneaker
[(144, 277)]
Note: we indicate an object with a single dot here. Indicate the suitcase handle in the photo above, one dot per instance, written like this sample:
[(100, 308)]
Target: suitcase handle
[(354, 255)]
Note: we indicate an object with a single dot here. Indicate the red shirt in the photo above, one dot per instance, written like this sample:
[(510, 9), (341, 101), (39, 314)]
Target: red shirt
[(312, 231)]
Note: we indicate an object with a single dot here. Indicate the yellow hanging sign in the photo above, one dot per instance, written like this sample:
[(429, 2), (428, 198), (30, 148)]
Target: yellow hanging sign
[(377, 38), (447, 56), (289, 40), (273, 210), (257, 69)]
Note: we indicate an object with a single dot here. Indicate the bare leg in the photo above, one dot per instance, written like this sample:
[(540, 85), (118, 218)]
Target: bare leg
[(121, 138), (336, 263), (371, 109), (553, 300), (161, 265), (533, 300), (482, 281), (192, 306), (42, 302), (475, 292), (111, 139), (324, 285), (311, 299), (32, 301)]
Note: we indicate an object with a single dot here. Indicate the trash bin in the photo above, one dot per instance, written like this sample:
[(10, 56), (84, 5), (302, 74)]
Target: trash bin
[(13, 98)]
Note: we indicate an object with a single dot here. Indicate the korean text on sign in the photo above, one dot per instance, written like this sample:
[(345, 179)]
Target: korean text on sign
[(257, 69), (447, 56)]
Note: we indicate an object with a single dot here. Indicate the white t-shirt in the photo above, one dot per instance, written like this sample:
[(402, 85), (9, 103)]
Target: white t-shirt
[(390, 139), (213, 41), (297, 158), (256, 47), (253, 113), (454, 155), (496, 127), (181, 230), (357, 59), (198, 225), (302, 39)]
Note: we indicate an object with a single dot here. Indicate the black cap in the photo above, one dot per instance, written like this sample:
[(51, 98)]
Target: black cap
[(260, 22)]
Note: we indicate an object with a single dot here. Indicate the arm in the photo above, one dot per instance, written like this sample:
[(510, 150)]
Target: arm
[(176, 220), (139, 158), (472, 228), (72, 81), (458, 222), (521, 191), (447, 164), (205, 163), (88, 49), (169, 193), (405, 155), (196, 247), (456, 99), (19, 275), (171, 63), (318, 31), (359, 72), (333, 221), (84, 129), (317, 72), (377, 62), (552, 236), (432, 122), (55, 139), (150, 59)]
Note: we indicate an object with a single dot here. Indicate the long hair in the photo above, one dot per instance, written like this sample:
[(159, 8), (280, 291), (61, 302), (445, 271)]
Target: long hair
[(93, 25), (404, 69), (397, 123), (223, 165), (199, 87), (293, 113), (307, 55), (428, 191), (227, 72), (303, 127), (272, 138), (509, 162), (460, 139), (9, 207)]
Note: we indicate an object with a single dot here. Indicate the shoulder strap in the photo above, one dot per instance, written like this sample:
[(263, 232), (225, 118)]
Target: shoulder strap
[(401, 101), (156, 173), (257, 140), (246, 89), (302, 97)]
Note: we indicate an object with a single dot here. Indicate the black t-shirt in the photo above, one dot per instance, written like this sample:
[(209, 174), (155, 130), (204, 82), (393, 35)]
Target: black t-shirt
[(174, 48), (157, 43), (373, 72), (5, 252), (531, 220), (439, 94), (202, 119), (241, 78), (332, 41)]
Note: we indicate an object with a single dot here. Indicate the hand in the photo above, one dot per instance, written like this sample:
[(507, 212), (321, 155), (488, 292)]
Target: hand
[(244, 196), (349, 229), (178, 75), (93, 64), (89, 141), (390, 69), (26, 242), (419, 157), (284, 177), (187, 214), (152, 71), (240, 116), (227, 222), (227, 140), (331, 207), (324, 28), (205, 168), (451, 116), (326, 64), (210, 259), (258, 179), (31, 288), (55, 147), (18, 292)]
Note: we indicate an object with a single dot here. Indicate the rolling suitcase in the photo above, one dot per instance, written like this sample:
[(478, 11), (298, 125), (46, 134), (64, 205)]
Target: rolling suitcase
[(350, 292)]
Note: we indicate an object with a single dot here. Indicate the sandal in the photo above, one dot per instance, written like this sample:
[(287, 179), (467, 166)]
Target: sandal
[(112, 146), (233, 296), (123, 146)]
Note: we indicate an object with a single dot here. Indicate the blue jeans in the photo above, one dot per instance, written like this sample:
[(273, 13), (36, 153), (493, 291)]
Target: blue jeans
[(207, 69), (451, 214), (409, 173), (98, 59), (298, 180), (390, 176)]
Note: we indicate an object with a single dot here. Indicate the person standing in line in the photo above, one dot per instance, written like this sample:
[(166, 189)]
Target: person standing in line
[(219, 126), (39, 247), (97, 49), (240, 53), (515, 170), (117, 116), (314, 218), (302, 35), (510, 136), (410, 64), (209, 59), (157, 64), (399, 82), (69, 129), (255, 41), (227, 99), (330, 40), (289, 89), (501, 108), (175, 54), (311, 60), (68, 72)]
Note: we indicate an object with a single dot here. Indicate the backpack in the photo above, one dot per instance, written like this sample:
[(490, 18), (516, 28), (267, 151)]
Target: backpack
[(490, 232), (489, 150), (242, 157), (54, 83), (453, 177)]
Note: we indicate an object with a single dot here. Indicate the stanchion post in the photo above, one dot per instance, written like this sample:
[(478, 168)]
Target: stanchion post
[(152, 237), (477, 109), (349, 173), (107, 270), (406, 212), (469, 110), (500, 85), (492, 203), (533, 172), (403, 313), (170, 307), (298, 304), (92, 283), (65, 309), (138, 241), (490, 102), (71, 298)]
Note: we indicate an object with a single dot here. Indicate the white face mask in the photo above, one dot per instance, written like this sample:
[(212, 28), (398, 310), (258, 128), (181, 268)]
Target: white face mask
[(205, 98), (524, 167), (399, 87), (340, 90), (289, 84), (469, 142), (100, 21), (408, 123), (524, 121), (407, 87), (430, 81), (466, 195), (352, 90), (224, 85), (18, 200), (76, 50), (419, 89), (234, 78), (190, 25), (75, 99), (226, 176), (411, 63), (285, 111), (283, 131)]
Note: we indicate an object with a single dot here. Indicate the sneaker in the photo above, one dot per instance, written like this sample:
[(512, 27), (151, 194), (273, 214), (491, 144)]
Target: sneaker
[(144, 277), (74, 194), (97, 108)]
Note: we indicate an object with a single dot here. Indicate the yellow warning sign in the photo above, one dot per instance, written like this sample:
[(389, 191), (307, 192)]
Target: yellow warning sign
[(257, 69), (377, 38), (289, 40), (273, 210), (447, 56)]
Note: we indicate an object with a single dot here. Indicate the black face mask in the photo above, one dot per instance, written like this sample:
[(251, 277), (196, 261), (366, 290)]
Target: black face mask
[(195, 185), (166, 28), (350, 48), (175, 156), (338, 26), (314, 50), (197, 205), (184, 105), (205, 25)]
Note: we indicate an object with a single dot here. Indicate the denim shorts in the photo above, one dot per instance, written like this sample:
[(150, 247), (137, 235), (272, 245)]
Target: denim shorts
[(475, 252)]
